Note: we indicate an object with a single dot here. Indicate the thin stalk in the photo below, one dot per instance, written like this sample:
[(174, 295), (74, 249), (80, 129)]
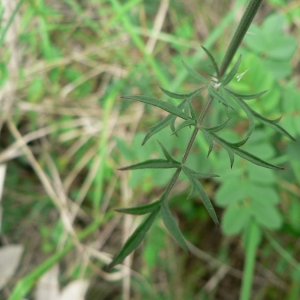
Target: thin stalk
[(250, 257), (239, 34)]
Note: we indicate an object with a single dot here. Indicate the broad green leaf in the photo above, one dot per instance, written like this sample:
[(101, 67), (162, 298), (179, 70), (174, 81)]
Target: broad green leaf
[(218, 127), (198, 174), (245, 97), (236, 217), (209, 140), (184, 124), (161, 104), (135, 239), (232, 72), (183, 96), (217, 96), (140, 210), (272, 124), (255, 160), (196, 186), (214, 63), (166, 153), (195, 74), (153, 164), (248, 112), (227, 146), (172, 226)]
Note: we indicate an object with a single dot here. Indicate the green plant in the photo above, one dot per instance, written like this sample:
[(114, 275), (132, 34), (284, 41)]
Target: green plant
[(217, 87)]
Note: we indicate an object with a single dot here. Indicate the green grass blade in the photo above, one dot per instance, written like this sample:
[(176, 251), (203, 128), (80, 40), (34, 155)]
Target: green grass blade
[(161, 104), (172, 226), (140, 210), (134, 240), (152, 164)]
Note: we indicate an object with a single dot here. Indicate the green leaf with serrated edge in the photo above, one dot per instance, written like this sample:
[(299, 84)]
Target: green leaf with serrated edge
[(183, 96), (227, 146), (196, 185), (214, 63), (135, 239), (152, 164), (272, 124), (218, 127), (209, 141), (194, 74), (161, 104), (140, 210), (217, 96), (248, 112), (172, 226), (165, 152), (184, 124), (199, 175), (255, 160), (192, 110), (161, 124), (245, 97), (232, 72)]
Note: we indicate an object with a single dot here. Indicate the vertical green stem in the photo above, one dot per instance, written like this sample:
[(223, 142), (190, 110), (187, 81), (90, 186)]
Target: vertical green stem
[(251, 244), (239, 34)]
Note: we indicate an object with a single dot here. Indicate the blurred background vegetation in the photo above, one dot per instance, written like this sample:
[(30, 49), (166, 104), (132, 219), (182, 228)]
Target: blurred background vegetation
[(65, 131)]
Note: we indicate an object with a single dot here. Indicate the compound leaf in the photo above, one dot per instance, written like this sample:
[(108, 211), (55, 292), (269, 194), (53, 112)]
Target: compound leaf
[(209, 140), (217, 96), (184, 124), (172, 226), (140, 210), (161, 104), (153, 164), (134, 240), (197, 174)]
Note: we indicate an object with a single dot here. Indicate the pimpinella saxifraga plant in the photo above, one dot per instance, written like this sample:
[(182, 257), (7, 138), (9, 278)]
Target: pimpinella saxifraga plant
[(218, 93)]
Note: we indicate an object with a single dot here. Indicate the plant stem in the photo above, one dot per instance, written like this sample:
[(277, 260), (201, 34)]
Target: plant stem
[(239, 34), (251, 243)]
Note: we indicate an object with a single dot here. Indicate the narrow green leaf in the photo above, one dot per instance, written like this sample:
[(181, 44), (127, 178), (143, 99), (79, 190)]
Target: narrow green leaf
[(255, 160), (184, 124), (272, 124), (245, 97), (197, 174), (194, 74), (248, 112), (152, 164), (192, 110), (140, 210), (227, 146), (209, 140), (214, 63), (240, 143), (232, 72), (196, 186), (161, 124), (218, 127), (166, 153), (172, 226), (161, 104), (183, 96), (217, 96), (135, 239)]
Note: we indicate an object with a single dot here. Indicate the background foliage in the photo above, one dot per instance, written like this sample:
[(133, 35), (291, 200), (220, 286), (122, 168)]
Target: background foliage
[(76, 58)]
